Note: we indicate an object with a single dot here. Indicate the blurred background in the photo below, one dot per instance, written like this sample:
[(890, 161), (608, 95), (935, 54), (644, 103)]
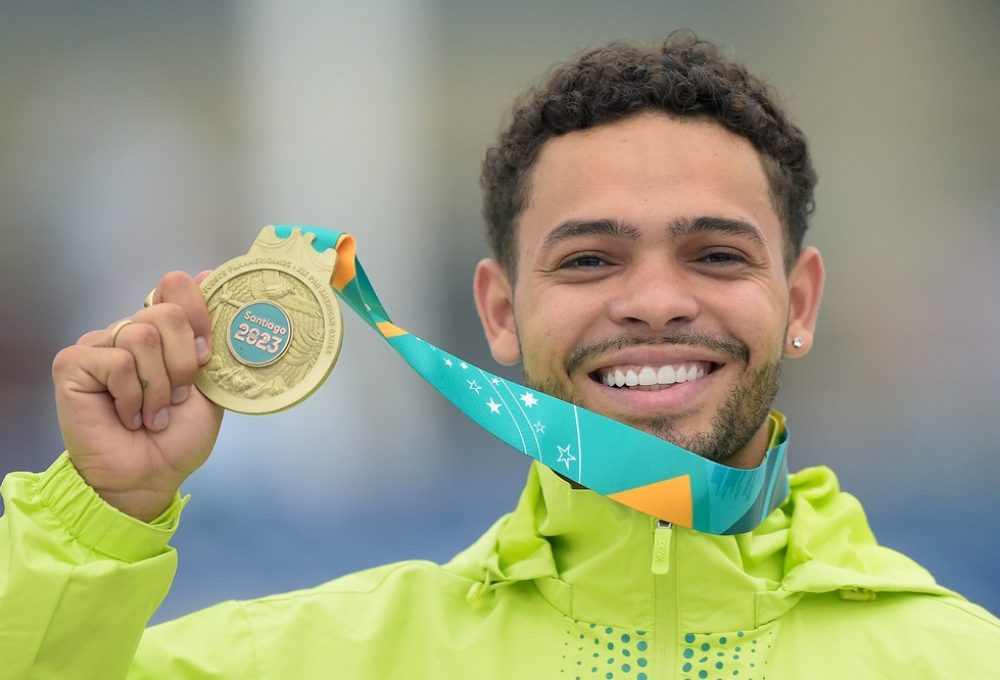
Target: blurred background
[(136, 138)]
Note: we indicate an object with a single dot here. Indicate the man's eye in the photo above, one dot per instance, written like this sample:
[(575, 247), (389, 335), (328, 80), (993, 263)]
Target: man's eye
[(583, 262), (723, 257)]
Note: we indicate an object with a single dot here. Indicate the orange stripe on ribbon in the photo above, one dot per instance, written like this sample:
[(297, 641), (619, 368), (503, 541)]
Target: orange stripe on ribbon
[(669, 499), (389, 330), (343, 271)]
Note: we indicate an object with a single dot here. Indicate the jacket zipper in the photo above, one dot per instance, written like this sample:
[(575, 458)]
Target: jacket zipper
[(662, 538), (664, 568)]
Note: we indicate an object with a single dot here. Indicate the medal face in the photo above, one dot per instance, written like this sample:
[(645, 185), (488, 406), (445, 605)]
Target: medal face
[(276, 325)]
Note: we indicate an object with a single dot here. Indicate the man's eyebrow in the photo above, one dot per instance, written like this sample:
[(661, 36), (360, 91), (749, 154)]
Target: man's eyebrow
[(725, 225), (577, 228)]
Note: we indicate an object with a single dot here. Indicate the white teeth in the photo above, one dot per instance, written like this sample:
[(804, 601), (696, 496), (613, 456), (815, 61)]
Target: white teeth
[(647, 376), (666, 375), (650, 377)]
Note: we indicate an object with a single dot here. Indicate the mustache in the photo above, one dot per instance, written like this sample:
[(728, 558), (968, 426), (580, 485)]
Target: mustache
[(718, 344)]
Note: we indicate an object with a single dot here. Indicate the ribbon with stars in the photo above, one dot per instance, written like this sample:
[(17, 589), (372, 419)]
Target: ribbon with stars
[(614, 459)]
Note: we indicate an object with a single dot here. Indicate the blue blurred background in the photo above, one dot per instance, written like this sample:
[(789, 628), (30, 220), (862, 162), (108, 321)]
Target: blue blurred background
[(136, 138)]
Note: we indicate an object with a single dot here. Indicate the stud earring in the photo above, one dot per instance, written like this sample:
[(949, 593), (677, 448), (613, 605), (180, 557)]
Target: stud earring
[(797, 342)]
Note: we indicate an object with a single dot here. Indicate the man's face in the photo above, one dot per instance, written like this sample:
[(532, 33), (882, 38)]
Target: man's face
[(650, 284)]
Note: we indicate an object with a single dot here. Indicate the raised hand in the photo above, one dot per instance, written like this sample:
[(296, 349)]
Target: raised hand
[(132, 420)]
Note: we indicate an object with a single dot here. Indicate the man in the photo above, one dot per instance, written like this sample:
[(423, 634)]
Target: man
[(646, 209)]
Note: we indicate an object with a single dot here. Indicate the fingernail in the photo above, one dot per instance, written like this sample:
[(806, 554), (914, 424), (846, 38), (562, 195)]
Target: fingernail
[(137, 421), (201, 347), (179, 394), (161, 419)]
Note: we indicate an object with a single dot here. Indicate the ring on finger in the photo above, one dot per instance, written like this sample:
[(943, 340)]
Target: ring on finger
[(117, 328)]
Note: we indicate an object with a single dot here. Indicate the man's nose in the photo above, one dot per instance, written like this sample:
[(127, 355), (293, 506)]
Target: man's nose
[(654, 296)]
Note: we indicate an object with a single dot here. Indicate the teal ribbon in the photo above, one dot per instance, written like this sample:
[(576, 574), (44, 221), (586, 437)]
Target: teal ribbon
[(619, 461)]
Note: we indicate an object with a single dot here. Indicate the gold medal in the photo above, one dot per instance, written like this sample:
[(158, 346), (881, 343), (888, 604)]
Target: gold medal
[(276, 325)]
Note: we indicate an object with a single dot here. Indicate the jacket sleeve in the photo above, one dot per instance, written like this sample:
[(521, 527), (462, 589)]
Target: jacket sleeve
[(78, 579)]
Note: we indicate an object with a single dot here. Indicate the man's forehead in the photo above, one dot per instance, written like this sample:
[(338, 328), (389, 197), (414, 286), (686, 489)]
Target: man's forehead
[(648, 162)]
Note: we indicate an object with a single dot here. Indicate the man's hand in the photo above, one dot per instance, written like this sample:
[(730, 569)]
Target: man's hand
[(133, 422)]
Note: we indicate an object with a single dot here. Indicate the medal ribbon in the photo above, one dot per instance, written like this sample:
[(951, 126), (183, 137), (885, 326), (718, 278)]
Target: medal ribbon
[(614, 459)]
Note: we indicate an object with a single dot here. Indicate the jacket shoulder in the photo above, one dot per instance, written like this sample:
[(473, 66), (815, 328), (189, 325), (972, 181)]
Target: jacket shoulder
[(896, 634)]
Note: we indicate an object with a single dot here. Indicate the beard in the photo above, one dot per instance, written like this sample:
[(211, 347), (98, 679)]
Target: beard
[(738, 418)]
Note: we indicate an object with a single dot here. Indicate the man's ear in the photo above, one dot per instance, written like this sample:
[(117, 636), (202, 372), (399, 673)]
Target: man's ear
[(805, 289), (495, 304)]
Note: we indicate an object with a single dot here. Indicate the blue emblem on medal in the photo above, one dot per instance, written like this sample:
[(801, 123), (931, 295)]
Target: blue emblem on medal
[(259, 333)]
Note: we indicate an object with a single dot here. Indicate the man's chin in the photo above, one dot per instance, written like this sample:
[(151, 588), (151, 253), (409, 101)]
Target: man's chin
[(680, 430), (726, 434), (700, 442)]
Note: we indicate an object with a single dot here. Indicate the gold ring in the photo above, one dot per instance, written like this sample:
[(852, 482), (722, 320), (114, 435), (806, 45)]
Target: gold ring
[(117, 328)]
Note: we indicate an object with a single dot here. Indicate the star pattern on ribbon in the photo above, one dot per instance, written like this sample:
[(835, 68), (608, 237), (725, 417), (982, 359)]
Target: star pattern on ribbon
[(474, 386), (448, 363), (564, 455), (539, 427), (529, 399), (494, 406)]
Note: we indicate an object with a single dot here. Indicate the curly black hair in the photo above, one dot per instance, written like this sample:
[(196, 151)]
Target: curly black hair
[(685, 77)]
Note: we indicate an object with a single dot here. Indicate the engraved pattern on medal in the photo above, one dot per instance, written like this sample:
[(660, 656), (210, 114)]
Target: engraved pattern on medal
[(308, 329)]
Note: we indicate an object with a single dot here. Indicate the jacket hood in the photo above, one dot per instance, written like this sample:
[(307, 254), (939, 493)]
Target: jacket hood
[(592, 558)]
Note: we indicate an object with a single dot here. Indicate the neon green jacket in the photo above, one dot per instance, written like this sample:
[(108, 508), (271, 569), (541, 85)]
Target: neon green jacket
[(569, 585)]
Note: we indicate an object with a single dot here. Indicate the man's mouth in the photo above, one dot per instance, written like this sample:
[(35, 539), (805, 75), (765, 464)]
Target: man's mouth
[(650, 377)]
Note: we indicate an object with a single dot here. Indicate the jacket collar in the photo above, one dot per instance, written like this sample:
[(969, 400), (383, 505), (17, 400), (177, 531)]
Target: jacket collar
[(591, 558)]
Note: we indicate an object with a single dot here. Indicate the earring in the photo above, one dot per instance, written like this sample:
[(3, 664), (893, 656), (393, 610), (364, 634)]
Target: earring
[(797, 342)]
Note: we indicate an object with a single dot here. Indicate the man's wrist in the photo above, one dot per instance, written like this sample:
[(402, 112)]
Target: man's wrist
[(90, 519)]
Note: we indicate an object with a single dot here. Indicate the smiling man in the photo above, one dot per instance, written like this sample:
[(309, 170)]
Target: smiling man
[(650, 282), (646, 208)]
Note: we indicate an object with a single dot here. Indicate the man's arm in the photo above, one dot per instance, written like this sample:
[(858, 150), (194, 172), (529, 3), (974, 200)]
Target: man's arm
[(84, 559), (79, 580)]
